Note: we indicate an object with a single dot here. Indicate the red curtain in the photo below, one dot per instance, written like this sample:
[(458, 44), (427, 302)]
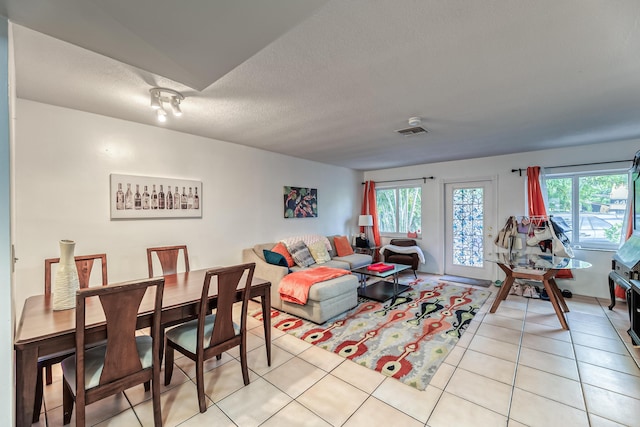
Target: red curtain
[(629, 217), (534, 192), (369, 207), (537, 207)]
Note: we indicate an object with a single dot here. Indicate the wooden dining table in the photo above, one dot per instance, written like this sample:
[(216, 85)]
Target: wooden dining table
[(44, 332)]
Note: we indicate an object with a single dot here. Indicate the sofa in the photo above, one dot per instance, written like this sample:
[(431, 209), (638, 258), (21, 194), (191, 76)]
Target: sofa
[(326, 299)]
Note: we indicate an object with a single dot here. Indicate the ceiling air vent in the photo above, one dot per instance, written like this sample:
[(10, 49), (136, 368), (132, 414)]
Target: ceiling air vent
[(417, 130)]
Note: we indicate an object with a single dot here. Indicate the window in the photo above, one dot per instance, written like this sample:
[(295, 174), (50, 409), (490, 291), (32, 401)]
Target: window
[(399, 209), (592, 204)]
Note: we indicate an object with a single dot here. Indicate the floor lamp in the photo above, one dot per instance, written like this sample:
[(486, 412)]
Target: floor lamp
[(366, 221)]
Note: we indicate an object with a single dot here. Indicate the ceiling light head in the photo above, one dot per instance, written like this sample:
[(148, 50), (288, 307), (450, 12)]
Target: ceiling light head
[(162, 115), (155, 100), (175, 106), (415, 121), (160, 95)]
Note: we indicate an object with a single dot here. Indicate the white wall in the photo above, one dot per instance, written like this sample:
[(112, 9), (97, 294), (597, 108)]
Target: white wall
[(6, 296), (63, 160), (511, 200)]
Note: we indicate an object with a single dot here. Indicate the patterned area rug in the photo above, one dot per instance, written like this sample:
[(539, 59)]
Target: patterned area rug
[(406, 338)]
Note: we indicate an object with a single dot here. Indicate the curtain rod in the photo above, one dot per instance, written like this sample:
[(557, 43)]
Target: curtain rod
[(423, 178), (569, 166)]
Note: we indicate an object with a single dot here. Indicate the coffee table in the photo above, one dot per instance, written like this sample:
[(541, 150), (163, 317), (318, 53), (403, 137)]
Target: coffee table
[(381, 290)]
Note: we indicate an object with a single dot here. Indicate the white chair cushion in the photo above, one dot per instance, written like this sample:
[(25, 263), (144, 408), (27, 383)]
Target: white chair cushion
[(185, 334), (94, 362)]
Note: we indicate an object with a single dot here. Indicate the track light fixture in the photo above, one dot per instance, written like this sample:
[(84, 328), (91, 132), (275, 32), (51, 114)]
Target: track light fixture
[(160, 95)]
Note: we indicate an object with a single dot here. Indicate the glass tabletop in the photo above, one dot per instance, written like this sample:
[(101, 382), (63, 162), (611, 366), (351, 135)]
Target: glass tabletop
[(536, 261), (382, 274)]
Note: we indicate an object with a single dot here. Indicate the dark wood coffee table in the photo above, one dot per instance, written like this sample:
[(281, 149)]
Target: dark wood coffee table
[(381, 290)]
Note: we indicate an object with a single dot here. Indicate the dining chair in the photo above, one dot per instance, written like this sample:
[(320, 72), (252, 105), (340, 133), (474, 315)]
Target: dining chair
[(212, 334), (84, 264), (168, 257), (125, 359)]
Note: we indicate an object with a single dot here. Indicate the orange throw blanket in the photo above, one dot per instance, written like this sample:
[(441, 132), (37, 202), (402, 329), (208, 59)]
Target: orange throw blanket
[(294, 287)]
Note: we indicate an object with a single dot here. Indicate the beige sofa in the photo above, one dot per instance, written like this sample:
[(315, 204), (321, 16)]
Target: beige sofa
[(326, 299)]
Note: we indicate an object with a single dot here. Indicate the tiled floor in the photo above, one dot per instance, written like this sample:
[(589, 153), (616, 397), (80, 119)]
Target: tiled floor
[(515, 367)]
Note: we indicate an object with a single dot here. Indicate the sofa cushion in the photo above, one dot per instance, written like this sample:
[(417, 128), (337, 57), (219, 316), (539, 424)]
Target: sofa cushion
[(282, 250), (355, 260), (307, 239), (319, 252), (300, 254), (343, 247), (331, 288), (334, 263), (275, 258)]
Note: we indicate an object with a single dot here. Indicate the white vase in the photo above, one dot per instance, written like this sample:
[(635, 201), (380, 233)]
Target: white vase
[(66, 283)]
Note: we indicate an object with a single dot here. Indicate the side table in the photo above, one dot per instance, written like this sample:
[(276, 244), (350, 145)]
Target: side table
[(371, 250)]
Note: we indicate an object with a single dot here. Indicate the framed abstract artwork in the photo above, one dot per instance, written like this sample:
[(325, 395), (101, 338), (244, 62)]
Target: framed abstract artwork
[(300, 202), (133, 196)]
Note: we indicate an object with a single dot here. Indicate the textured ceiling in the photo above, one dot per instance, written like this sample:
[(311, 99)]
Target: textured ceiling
[(331, 81)]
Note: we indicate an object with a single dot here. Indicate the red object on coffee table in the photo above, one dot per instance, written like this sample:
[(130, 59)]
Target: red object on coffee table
[(380, 267)]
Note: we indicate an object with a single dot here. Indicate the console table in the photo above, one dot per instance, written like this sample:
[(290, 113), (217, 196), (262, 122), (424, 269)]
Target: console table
[(540, 268)]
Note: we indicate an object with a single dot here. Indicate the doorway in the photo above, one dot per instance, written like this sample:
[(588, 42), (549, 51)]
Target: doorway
[(469, 218)]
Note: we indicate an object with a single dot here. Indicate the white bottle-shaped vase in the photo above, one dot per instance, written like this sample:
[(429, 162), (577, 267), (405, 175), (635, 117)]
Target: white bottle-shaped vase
[(66, 281)]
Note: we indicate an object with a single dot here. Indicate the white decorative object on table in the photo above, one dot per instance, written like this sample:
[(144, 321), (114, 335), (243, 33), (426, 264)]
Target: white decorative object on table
[(66, 283)]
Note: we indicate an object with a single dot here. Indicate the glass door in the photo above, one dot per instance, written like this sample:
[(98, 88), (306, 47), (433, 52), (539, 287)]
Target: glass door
[(468, 228)]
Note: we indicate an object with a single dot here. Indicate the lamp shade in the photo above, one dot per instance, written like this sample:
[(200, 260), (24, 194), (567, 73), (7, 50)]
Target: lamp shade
[(365, 220)]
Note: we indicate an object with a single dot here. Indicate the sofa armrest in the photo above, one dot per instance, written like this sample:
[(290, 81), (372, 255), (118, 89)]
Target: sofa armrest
[(266, 271)]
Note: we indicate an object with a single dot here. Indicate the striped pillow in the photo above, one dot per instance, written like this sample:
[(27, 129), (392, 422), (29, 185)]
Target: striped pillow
[(300, 254)]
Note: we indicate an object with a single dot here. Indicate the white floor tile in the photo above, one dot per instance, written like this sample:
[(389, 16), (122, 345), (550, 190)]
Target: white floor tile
[(295, 376), (475, 386), (374, 412), (295, 414), (550, 386), (453, 411), (333, 400), (480, 390), (254, 404), (538, 411), (417, 404), (613, 406)]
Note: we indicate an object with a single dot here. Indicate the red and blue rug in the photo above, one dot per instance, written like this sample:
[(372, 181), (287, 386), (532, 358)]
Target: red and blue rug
[(406, 338)]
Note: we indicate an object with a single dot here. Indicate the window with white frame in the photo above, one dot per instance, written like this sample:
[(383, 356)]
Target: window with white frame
[(399, 210), (593, 204)]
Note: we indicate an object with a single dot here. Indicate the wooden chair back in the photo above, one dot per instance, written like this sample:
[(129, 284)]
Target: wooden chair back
[(84, 264), (224, 335), (168, 257), (229, 281), (122, 368)]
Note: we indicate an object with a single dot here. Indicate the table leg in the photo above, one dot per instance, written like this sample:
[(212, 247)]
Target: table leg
[(612, 293), (502, 293), (559, 296), (266, 322), (553, 298), (26, 373)]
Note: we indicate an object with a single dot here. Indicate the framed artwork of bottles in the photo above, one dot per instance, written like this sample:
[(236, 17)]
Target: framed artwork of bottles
[(134, 196)]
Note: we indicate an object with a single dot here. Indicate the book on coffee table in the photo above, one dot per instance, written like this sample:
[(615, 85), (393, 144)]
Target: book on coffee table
[(380, 267)]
